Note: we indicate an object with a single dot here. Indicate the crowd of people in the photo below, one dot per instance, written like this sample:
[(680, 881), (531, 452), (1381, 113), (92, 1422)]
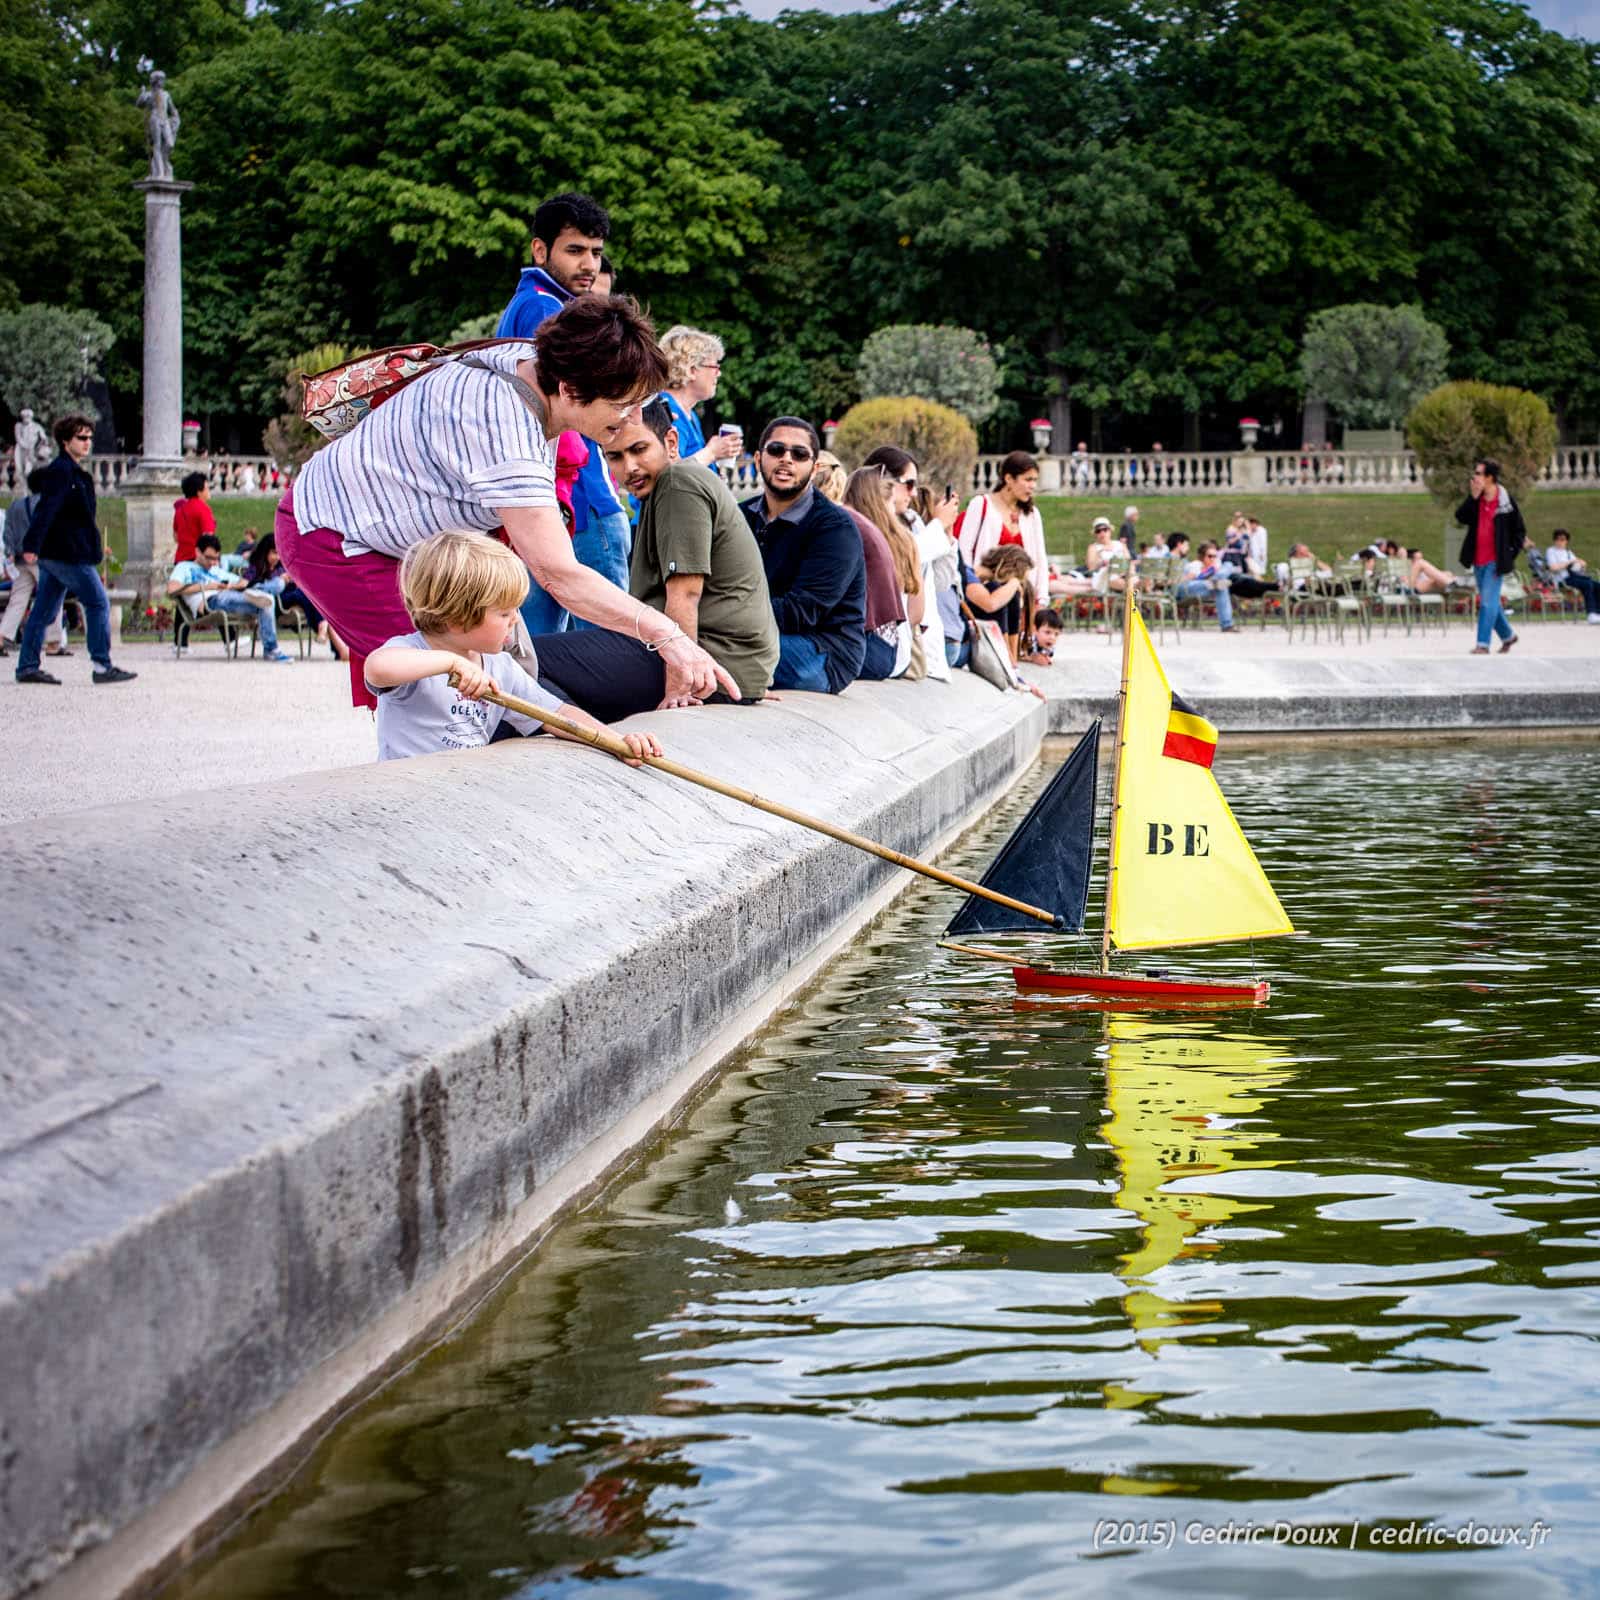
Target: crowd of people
[(543, 514)]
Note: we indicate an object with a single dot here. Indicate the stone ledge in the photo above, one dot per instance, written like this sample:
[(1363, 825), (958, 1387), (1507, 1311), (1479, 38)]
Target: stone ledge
[(271, 1118)]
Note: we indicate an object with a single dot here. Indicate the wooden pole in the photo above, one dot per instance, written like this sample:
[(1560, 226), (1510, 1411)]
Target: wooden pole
[(604, 739), (1116, 786)]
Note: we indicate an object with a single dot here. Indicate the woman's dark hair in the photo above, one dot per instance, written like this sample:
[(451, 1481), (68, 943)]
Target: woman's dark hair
[(570, 210), (1016, 464), (193, 483), (892, 457), (70, 424), (257, 569), (603, 347), (1007, 561)]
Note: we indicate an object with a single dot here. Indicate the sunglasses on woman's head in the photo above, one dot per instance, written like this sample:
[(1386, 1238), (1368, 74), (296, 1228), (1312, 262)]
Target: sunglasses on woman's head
[(796, 452)]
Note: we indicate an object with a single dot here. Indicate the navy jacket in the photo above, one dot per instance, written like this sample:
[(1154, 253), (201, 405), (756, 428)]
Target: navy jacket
[(818, 577), (1510, 532), (63, 526)]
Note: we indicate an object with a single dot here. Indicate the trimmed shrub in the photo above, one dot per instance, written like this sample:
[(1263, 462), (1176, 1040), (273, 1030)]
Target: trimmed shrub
[(1460, 423), (951, 366), (943, 441)]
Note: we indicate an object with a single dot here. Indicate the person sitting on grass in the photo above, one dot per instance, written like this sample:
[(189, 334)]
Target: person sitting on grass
[(1205, 579), (463, 591), (1046, 630), (1572, 571), (206, 587)]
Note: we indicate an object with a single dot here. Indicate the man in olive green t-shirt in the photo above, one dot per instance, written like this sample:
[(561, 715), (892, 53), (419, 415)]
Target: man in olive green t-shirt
[(694, 555)]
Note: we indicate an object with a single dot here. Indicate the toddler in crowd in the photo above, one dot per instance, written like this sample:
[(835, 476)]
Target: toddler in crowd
[(462, 591), (1046, 630)]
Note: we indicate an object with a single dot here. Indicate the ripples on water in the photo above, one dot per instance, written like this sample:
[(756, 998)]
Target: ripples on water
[(939, 1280)]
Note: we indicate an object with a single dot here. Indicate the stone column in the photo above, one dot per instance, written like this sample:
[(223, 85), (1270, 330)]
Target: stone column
[(152, 486)]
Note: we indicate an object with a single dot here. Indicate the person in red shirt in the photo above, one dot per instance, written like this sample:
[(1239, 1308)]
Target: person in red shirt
[(191, 516), (1495, 533)]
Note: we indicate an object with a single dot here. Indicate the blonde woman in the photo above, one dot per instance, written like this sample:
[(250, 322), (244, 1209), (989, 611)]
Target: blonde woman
[(694, 367), (889, 647), (886, 612)]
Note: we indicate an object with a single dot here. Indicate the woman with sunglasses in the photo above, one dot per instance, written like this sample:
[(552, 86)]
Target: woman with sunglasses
[(939, 565), (63, 545)]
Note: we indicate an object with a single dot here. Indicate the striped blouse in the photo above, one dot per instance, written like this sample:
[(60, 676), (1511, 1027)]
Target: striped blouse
[(450, 451)]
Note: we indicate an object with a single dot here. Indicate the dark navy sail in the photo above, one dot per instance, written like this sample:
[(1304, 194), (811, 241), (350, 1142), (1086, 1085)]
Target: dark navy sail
[(1046, 861)]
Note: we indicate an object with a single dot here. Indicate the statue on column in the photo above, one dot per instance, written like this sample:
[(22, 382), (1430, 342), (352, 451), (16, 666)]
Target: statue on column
[(30, 447), (160, 125)]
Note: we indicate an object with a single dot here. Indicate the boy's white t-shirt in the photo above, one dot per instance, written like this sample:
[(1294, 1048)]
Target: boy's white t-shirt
[(430, 715)]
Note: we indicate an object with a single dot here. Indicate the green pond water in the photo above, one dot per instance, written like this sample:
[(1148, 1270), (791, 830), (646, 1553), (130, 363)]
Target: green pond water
[(946, 1292)]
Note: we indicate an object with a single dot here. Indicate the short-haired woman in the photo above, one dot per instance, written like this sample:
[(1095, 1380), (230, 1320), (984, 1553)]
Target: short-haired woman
[(470, 445), (694, 367)]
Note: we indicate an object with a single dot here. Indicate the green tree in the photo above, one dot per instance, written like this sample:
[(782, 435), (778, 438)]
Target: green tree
[(1372, 363), (953, 366), (1461, 423), (47, 355)]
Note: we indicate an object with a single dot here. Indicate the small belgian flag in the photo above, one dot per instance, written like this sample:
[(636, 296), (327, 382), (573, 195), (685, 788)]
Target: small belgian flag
[(1189, 736)]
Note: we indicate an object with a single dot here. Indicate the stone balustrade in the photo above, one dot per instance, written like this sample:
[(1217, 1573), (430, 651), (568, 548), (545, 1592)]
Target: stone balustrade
[(228, 475), (1189, 472)]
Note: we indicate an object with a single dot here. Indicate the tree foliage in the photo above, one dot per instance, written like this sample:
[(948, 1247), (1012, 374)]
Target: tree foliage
[(953, 366), (47, 356), (1461, 423), (1140, 208), (1372, 363)]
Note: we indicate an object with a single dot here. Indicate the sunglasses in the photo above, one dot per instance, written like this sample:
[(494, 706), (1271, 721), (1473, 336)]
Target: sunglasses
[(906, 483), (83, 436), (796, 452)]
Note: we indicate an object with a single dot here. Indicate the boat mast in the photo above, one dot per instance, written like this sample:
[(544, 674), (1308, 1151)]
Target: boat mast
[(1116, 774)]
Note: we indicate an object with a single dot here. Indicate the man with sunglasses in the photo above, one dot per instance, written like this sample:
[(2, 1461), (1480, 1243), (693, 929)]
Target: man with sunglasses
[(814, 563), (63, 543)]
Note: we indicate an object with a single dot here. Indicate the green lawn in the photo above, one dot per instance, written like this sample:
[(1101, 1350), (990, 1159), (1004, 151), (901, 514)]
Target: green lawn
[(1332, 524)]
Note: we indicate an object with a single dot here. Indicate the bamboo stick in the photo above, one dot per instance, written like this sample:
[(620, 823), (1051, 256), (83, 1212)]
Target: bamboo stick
[(604, 739)]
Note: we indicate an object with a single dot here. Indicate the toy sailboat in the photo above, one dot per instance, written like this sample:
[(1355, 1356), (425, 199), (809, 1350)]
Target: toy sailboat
[(1180, 871)]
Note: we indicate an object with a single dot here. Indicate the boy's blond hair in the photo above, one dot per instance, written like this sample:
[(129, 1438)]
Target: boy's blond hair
[(454, 580)]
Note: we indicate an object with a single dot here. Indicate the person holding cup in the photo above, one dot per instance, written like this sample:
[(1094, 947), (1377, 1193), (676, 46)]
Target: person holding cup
[(694, 366)]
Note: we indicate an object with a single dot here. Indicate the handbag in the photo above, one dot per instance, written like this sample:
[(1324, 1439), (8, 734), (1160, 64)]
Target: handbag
[(917, 667), (334, 400)]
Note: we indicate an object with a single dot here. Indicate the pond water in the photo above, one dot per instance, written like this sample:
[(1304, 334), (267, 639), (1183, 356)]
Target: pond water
[(943, 1292)]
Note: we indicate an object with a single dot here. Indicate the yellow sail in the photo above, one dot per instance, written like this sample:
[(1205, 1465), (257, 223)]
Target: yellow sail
[(1181, 871)]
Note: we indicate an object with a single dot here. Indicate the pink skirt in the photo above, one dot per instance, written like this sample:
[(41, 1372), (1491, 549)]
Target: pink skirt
[(359, 595)]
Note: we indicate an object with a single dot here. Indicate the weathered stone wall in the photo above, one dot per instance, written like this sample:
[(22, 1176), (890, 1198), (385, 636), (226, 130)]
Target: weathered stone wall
[(273, 1112)]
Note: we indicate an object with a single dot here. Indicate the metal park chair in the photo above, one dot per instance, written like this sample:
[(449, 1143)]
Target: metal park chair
[(1153, 594)]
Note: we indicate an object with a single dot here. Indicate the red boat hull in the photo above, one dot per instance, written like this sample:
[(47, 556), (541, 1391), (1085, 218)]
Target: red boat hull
[(1103, 986)]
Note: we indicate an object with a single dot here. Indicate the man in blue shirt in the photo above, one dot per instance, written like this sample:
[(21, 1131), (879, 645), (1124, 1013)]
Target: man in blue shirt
[(816, 569), (569, 235), (208, 586)]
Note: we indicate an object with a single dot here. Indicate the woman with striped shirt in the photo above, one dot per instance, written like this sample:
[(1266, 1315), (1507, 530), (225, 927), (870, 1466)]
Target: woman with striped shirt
[(471, 445)]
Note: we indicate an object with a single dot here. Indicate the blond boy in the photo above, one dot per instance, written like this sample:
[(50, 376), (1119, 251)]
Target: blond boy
[(462, 591)]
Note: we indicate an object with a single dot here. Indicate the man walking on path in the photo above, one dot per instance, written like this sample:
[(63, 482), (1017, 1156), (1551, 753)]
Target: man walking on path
[(569, 236), (63, 542), (1495, 534)]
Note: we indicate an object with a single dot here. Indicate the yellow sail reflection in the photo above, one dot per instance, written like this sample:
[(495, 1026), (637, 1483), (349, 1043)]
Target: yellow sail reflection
[(1182, 872), (1174, 1090)]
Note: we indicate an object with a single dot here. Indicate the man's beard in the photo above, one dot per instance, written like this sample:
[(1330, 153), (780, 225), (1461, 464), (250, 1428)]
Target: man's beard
[(790, 494)]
